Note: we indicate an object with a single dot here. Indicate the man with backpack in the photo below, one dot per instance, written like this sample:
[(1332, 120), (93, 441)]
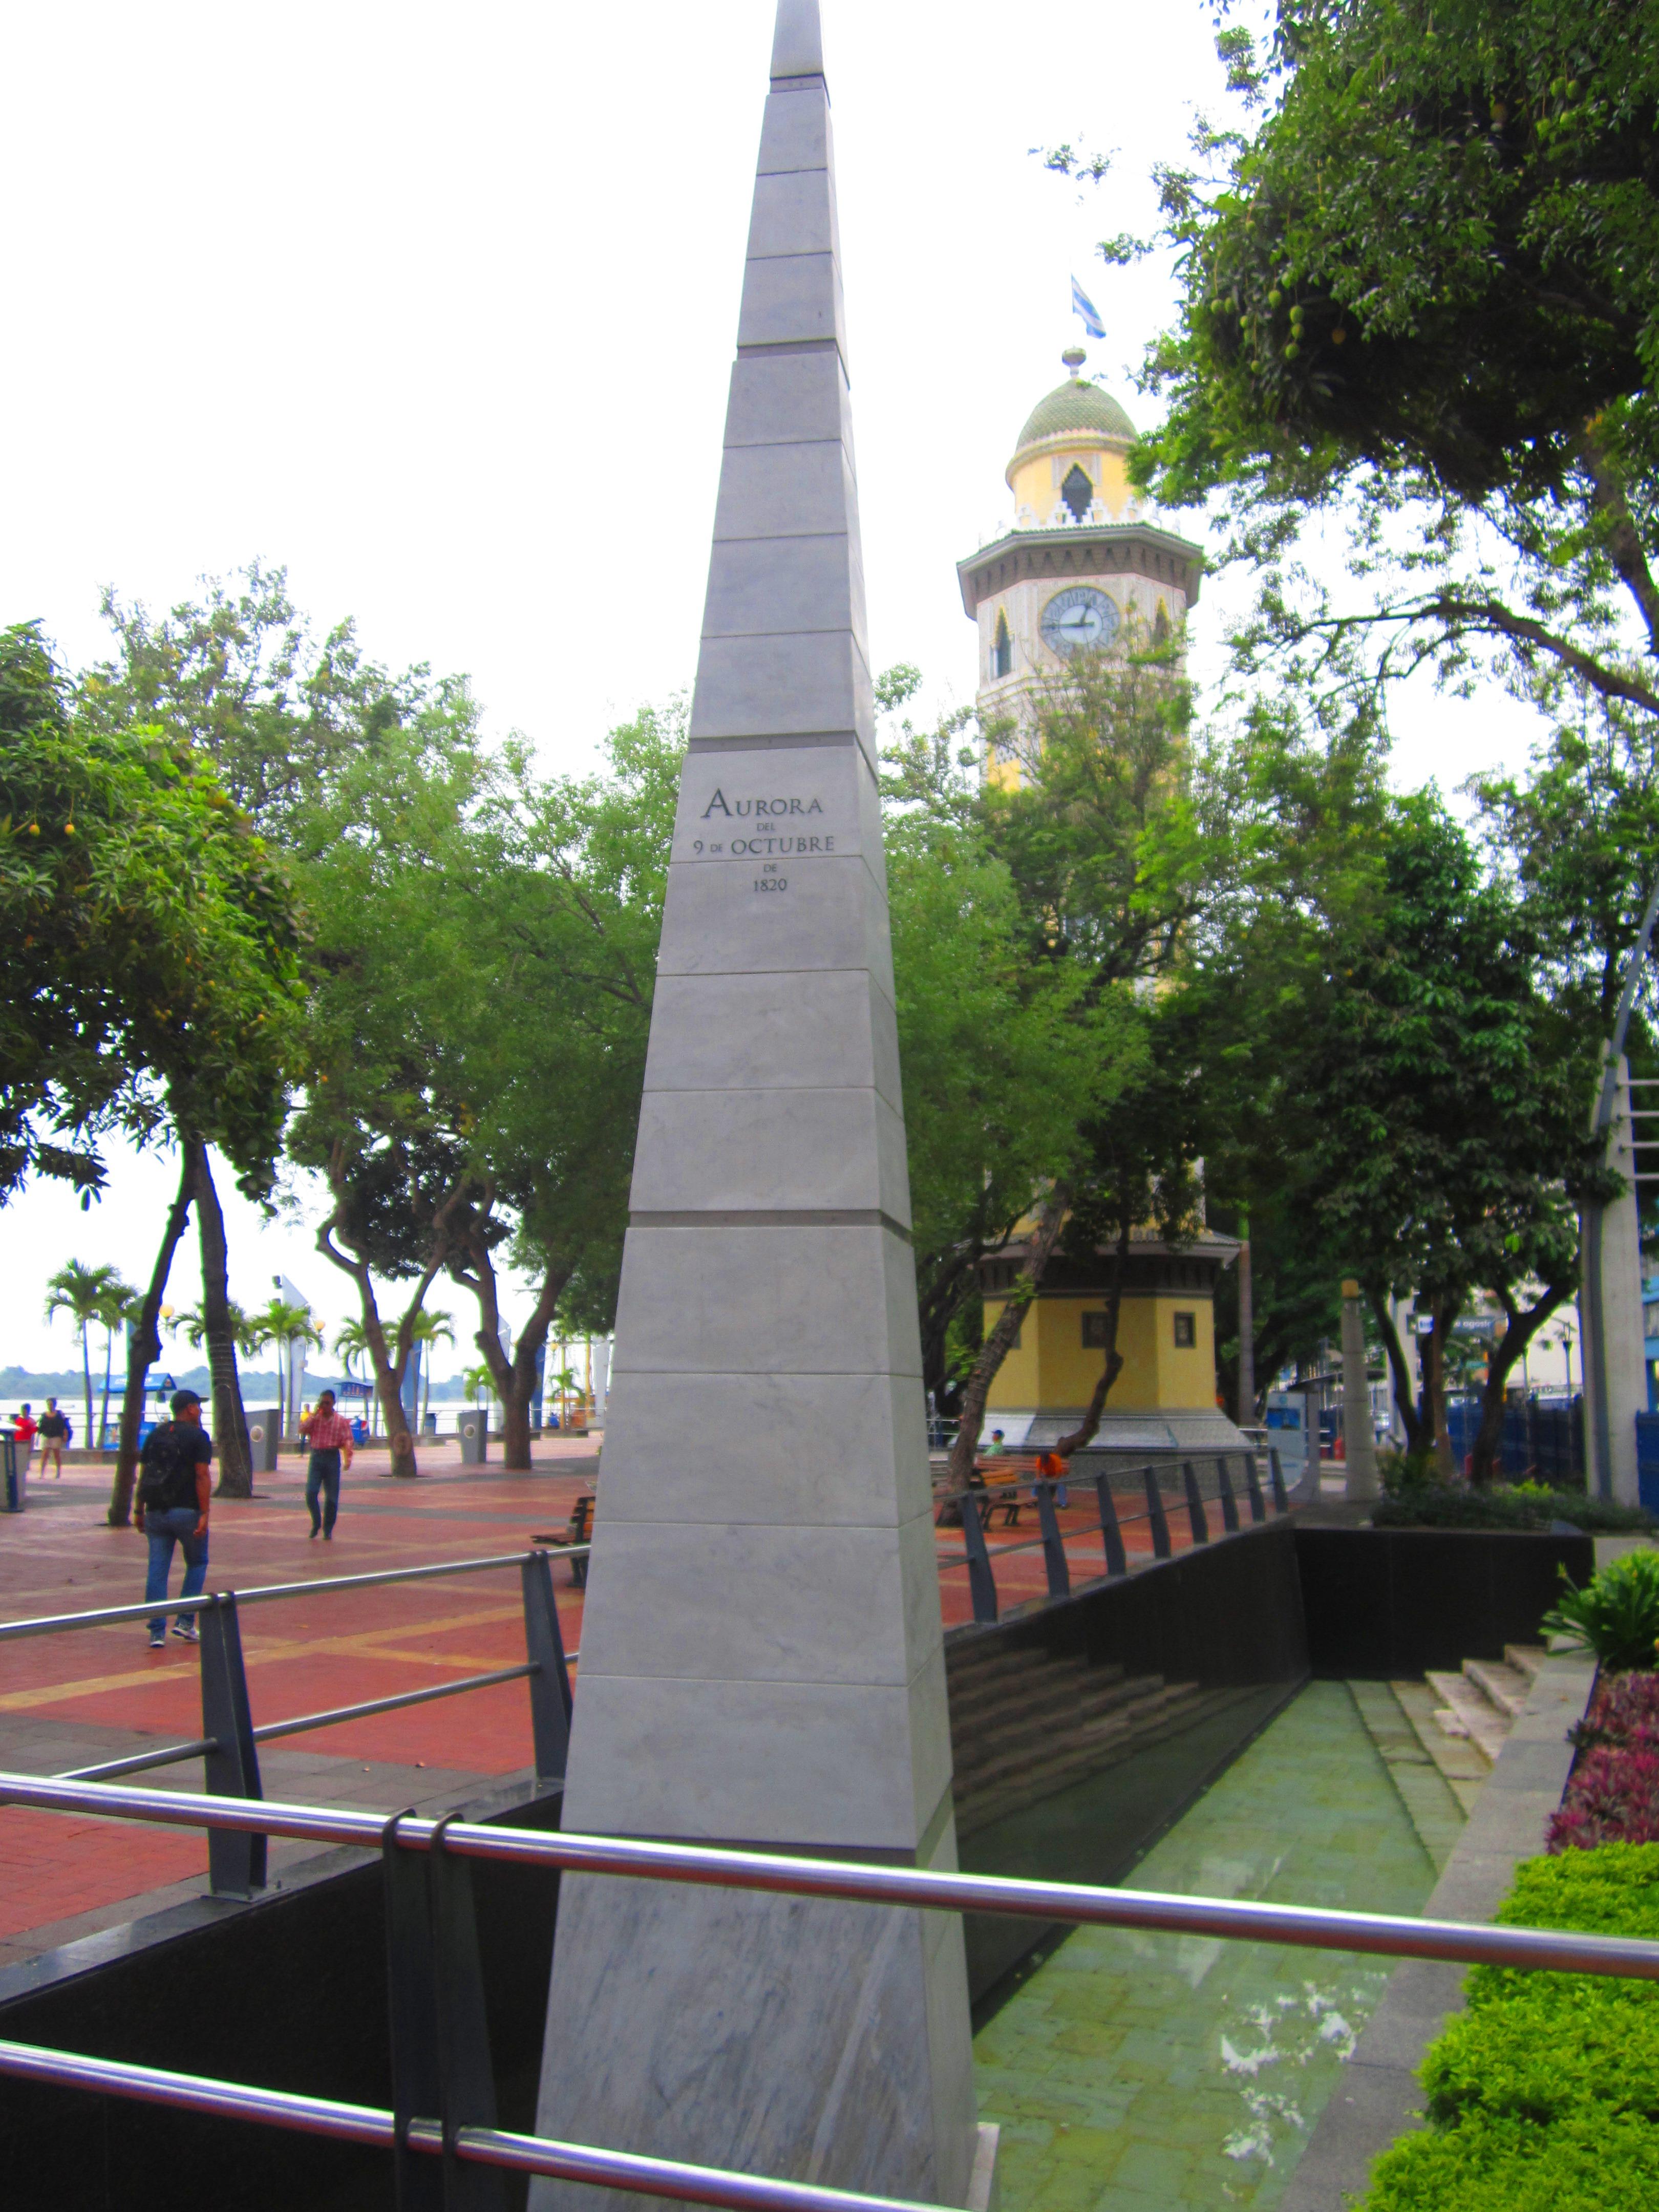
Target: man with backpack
[(172, 1508)]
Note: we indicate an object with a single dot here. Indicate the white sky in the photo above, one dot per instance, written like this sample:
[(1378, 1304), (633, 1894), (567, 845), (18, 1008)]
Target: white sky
[(437, 307)]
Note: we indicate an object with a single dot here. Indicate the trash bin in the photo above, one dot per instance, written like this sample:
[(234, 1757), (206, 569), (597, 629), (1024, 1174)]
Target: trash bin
[(475, 1435), (265, 1433), (16, 1467)]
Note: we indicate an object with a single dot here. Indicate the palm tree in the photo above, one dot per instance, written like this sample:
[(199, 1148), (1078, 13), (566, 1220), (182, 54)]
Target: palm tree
[(118, 1306), (276, 1322), (79, 1292), (475, 1379), (427, 1329), (351, 1342)]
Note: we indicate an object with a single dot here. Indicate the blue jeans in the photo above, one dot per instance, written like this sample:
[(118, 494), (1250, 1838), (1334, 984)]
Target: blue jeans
[(177, 1525), (323, 1477)]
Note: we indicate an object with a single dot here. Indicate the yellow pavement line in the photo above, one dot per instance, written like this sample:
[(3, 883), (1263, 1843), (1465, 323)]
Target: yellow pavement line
[(262, 1651)]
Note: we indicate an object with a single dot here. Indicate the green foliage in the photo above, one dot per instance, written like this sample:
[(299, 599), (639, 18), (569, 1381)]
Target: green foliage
[(1424, 1504), (1543, 2092), (1615, 1615), (152, 943)]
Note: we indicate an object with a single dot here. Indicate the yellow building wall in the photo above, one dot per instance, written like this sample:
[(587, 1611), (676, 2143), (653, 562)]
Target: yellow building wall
[(1051, 1367), (1034, 484)]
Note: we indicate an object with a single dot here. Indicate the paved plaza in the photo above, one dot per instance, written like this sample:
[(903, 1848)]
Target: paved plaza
[(70, 1700)]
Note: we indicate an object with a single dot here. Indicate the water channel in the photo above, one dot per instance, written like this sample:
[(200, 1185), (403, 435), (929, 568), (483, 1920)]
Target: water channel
[(1135, 2073)]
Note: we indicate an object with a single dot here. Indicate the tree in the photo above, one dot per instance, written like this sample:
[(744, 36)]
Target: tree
[(1424, 294), (84, 1294), (1115, 837), (151, 941), (116, 1308), (282, 1325), (430, 1329)]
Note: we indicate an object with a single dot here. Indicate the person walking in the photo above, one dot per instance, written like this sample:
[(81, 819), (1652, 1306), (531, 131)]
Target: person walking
[(54, 1435), (329, 1435), (172, 1508)]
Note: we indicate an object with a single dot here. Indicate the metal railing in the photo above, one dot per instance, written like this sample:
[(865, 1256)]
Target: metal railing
[(228, 1742), (440, 2057), (972, 1510)]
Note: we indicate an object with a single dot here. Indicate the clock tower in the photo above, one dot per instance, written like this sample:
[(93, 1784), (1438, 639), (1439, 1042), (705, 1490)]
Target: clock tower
[(1084, 561), (1086, 565)]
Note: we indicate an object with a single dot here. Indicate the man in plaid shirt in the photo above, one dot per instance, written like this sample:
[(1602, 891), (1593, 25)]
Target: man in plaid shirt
[(329, 1435)]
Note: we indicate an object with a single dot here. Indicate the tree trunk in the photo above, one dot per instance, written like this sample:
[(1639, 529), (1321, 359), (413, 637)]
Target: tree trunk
[(1521, 1326), (229, 1421), (389, 1368), (1399, 1370), (1051, 1219), (514, 1379), (1244, 1395), (145, 1351), (86, 1379), (103, 1407), (1112, 1365), (1434, 1390)]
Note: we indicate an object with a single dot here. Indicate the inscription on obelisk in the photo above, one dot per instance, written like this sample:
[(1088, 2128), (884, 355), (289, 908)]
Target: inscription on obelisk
[(760, 1657)]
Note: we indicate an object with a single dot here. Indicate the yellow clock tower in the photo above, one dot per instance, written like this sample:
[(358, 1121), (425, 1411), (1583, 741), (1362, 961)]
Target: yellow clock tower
[(1085, 563)]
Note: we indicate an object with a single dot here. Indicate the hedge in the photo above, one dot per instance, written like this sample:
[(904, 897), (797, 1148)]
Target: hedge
[(1544, 2094)]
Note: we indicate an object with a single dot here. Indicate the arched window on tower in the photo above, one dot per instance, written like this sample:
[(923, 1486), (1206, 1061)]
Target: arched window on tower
[(1002, 649), (1078, 492)]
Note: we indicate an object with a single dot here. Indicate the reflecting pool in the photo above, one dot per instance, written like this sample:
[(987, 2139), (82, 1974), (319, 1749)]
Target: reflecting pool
[(1135, 2073)]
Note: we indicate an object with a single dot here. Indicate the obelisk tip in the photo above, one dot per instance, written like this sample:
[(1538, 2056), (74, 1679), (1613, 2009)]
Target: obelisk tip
[(798, 41)]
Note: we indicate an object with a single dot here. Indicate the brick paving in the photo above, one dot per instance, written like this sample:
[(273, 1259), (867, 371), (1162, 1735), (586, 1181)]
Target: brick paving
[(70, 1699)]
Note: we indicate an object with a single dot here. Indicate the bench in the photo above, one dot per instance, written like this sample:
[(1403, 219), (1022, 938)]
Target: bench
[(579, 1530)]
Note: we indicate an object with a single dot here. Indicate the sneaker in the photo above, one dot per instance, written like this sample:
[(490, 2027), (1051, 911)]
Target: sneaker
[(158, 1639), (188, 1630)]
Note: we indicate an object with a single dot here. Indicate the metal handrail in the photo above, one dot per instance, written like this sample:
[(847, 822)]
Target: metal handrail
[(371, 2125), (49, 1624), (1311, 1927), (171, 1754)]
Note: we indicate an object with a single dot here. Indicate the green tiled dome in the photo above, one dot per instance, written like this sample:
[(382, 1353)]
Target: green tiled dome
[(1074, 405)]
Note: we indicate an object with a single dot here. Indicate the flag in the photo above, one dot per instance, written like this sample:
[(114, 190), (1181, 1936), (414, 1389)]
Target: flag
[(1084, 306)]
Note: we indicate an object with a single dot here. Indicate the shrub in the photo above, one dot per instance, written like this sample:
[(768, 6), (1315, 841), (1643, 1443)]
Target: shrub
[(1542, 2092), (1411, 1505), (1615, 1615), (1586, 2164), (1624, 1708)]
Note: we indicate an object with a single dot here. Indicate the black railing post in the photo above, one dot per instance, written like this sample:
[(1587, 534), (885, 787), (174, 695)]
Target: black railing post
[(1281, 1503), (440, 2061), (236, 1862), (1054, 1545), (1116, 1564), (1253, 1484), (980, 1581), (466, 2076), (550, 1686), (1229, 1503), (1198, 1520), (1161, 1548)]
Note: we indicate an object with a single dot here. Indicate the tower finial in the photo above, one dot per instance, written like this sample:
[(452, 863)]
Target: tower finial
[(1074, 358), (798, 40)]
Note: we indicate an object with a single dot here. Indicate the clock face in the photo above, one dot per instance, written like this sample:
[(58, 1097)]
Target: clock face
[(1078, 617)]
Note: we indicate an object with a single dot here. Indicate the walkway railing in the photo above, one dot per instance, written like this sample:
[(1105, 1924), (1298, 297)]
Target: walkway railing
[(443, 2085), (1169, 1487), (228, 1742)]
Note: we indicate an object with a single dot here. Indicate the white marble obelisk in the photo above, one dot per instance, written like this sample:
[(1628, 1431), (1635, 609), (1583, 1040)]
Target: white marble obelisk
[(760, 1657)]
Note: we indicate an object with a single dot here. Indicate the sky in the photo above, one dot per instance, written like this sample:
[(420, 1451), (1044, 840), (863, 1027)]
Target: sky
[(436, 308)]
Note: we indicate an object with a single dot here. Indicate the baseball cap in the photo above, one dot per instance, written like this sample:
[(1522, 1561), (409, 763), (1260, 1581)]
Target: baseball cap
[(180, 1399)]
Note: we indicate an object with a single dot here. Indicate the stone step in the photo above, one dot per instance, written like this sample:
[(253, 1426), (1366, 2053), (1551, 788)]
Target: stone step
[(993, 1664), (1466, 1711), (1525, 1658), (1181, 1709), (1464, 1766), (976, 1753), (1502, 1685), (1030, 1698), (1131, 1712)]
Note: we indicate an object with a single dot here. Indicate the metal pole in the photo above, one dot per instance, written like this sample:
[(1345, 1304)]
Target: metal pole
[(1116, 1563), (981, 1582), (1224, 1487), (1592, 1349), (1198, 1520), (1054, 1548), (236, 1863), (1161, 1548)]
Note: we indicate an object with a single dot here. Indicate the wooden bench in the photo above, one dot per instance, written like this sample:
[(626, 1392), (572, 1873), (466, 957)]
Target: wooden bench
[(579, 1530)]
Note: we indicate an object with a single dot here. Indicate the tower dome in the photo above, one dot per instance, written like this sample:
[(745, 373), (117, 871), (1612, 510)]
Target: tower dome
[(1072, 408)]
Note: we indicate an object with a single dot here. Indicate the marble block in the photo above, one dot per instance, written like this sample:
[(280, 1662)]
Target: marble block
[(825, 1029)]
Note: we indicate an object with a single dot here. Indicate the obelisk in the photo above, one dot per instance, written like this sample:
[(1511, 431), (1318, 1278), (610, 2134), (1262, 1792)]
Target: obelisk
[(761, 1656)]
